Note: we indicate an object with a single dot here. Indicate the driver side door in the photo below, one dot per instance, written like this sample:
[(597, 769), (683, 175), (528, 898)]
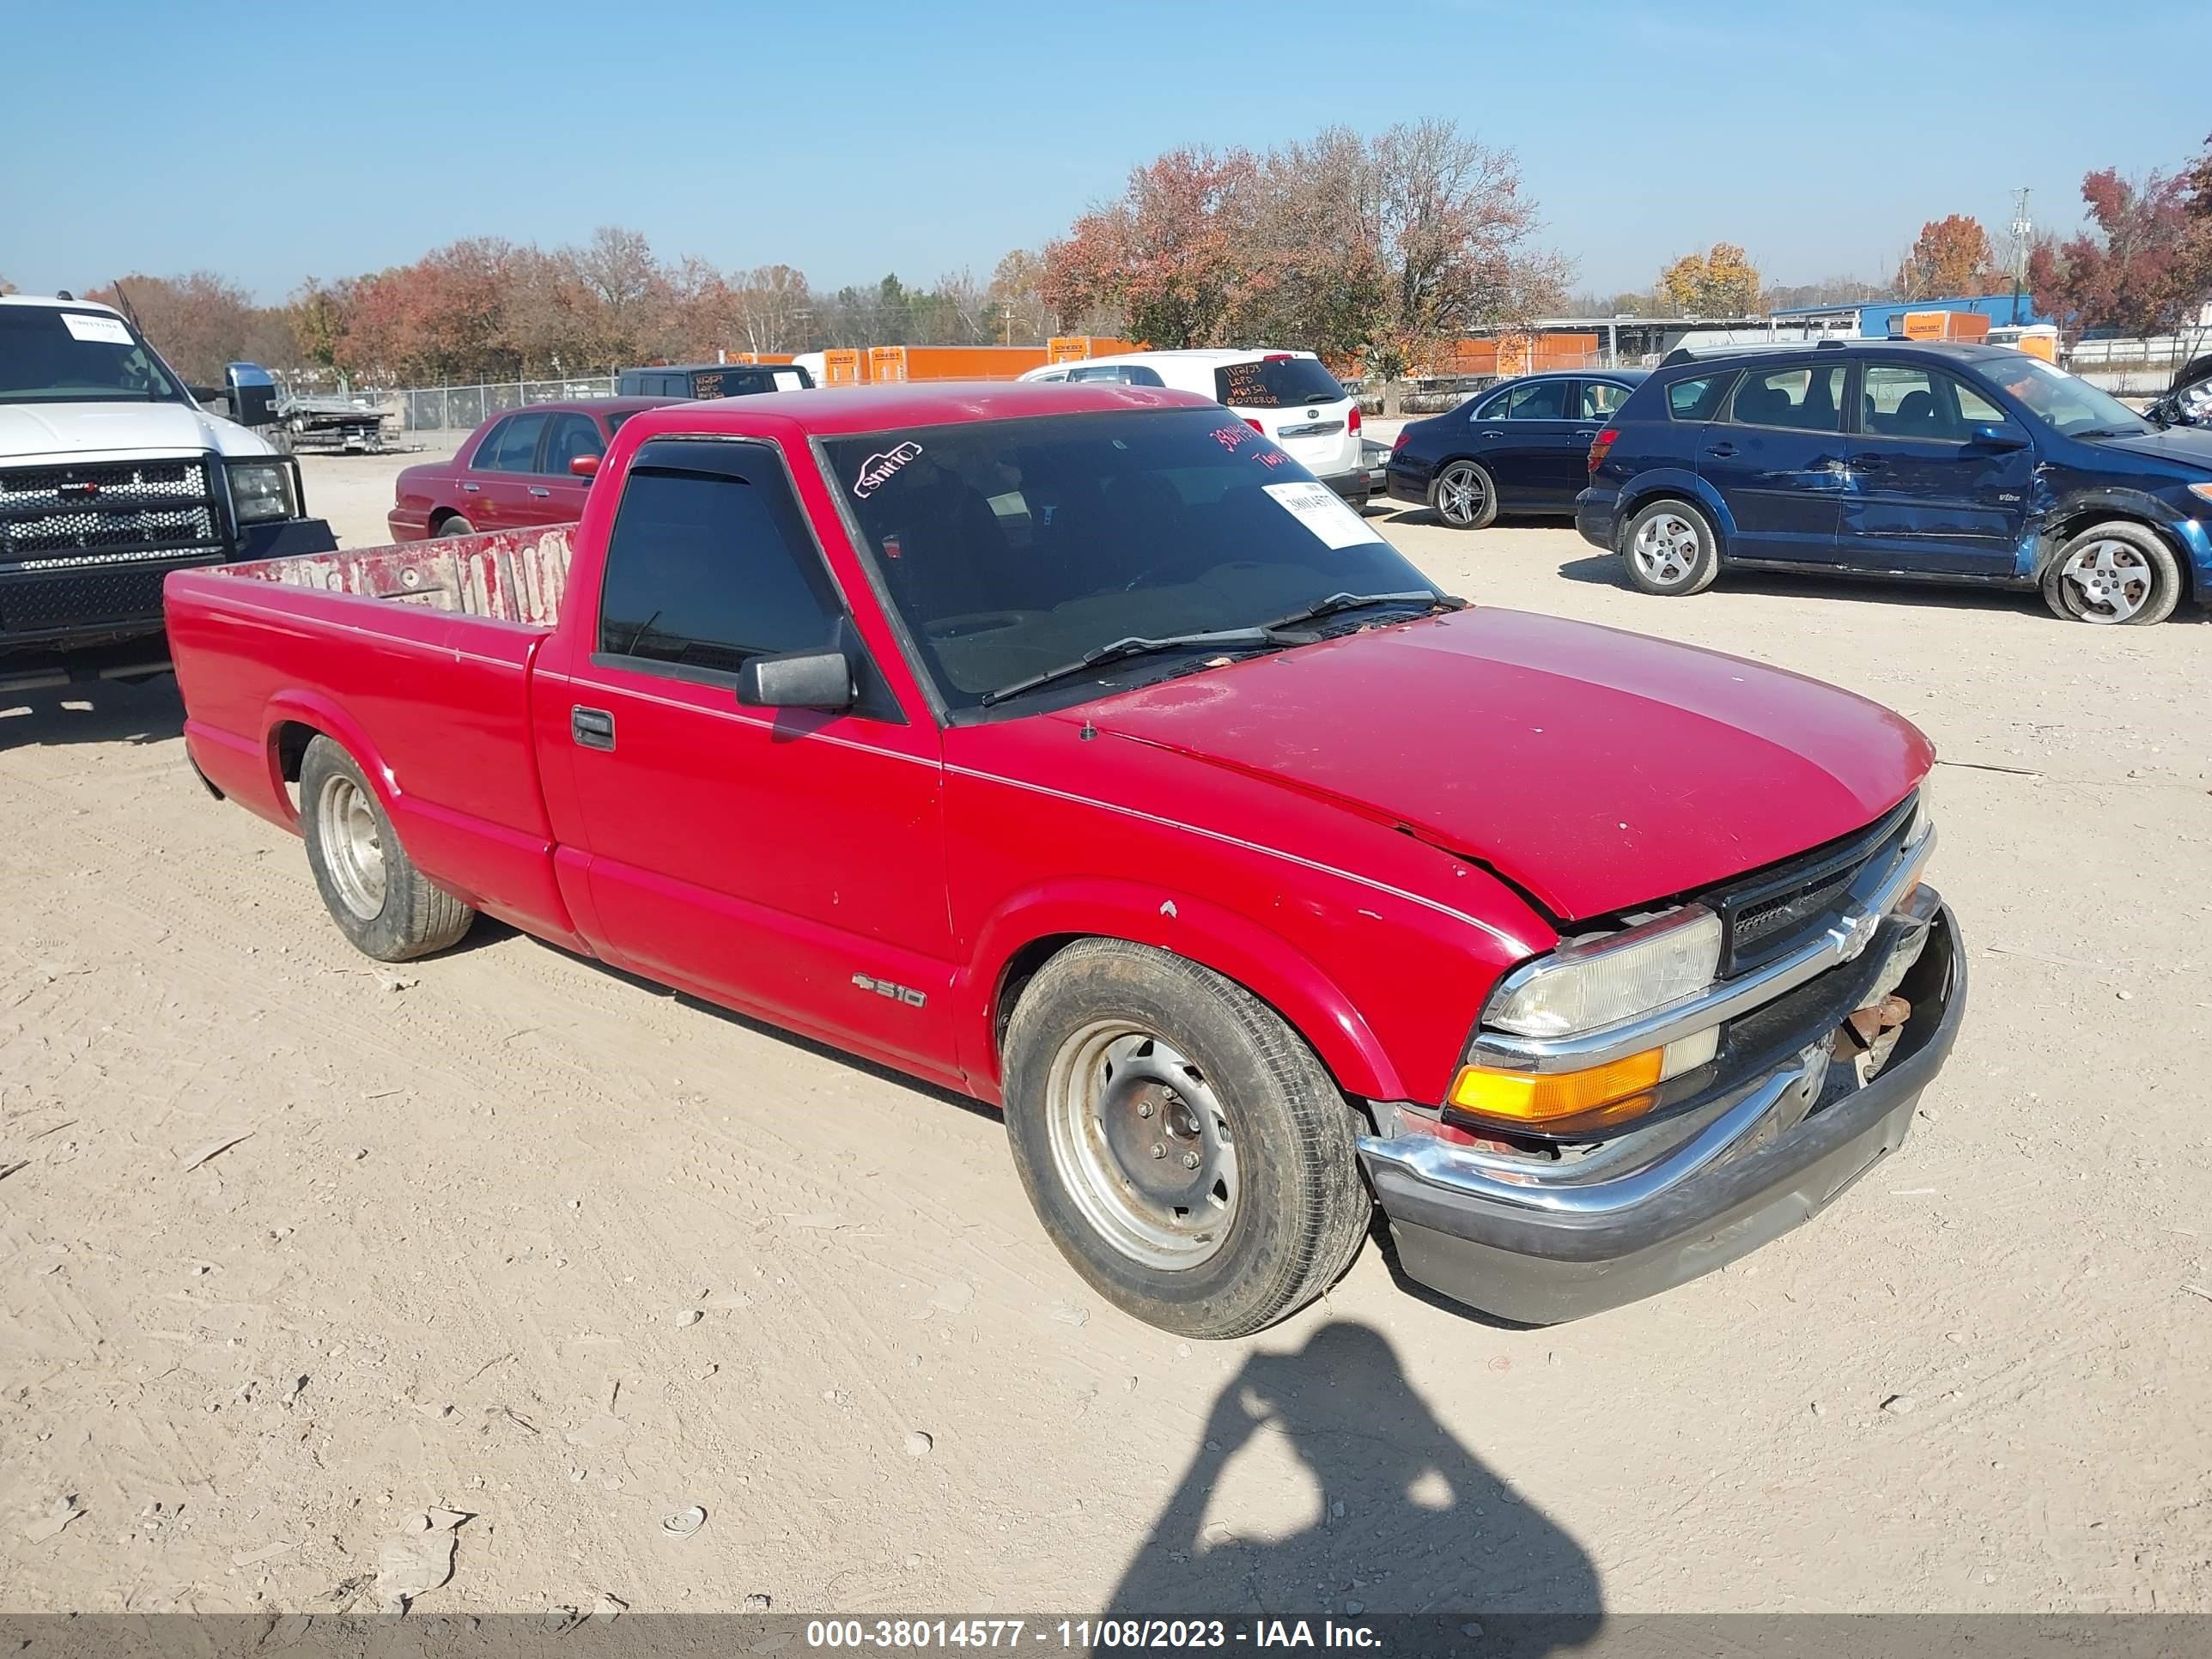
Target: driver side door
[(789, 862)]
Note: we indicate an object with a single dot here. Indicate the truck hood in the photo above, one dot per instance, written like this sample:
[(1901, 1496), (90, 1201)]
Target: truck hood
[(1597, 770), (97, 431)]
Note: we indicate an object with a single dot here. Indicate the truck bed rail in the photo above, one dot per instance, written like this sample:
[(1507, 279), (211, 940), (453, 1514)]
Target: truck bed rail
[(509, 576)]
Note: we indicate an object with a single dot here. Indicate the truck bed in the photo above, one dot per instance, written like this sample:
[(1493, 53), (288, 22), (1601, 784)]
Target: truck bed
[(417, 659), (508, 575)]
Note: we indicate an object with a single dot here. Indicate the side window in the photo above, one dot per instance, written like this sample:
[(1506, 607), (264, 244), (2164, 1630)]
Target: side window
[(1492, 408), (1539, 400), (703, 571), (1600, 398), (1803, 399), (511, 447), (1699, 399), (1974, 409), (572, 435), (1898, 401)]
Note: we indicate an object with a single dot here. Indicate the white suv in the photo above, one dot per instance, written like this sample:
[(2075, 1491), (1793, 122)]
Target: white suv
[(1286, 396)]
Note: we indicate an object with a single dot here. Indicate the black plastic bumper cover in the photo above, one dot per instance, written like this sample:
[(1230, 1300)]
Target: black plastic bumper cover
[(1539, 1268)]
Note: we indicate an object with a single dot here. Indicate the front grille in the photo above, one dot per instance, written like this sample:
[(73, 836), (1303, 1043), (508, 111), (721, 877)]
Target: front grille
[(1771, 912), (53, 517), (88, 545)]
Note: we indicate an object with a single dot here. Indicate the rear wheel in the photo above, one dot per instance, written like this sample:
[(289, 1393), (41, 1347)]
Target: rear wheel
[(372, 888), (1669, 549), (1464, 496), (1181, 1145), (455, 524), (2116, 573)]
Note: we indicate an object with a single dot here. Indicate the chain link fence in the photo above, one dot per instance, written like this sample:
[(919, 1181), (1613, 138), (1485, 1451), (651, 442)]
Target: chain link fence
[(463, 408)]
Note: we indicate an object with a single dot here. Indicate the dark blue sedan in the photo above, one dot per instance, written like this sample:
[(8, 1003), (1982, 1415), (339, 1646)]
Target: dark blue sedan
[(1965, 465), (1522, 446)]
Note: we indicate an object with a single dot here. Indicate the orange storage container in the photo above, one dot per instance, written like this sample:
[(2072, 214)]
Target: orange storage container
[(843, 367), (1072, 348)]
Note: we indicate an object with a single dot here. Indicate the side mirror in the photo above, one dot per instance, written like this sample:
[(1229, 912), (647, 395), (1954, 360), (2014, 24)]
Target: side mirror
[(1999, 437), (797, 679), (584, 466), (252, 394)]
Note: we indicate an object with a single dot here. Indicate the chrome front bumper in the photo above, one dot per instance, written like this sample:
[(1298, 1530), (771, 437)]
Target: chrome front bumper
[(1539, 1243)]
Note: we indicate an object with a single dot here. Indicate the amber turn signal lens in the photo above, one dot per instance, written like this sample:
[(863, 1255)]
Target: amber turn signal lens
[(1539, 1097)]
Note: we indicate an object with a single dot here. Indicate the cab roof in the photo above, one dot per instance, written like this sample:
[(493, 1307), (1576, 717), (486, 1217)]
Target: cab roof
[(837, 412)]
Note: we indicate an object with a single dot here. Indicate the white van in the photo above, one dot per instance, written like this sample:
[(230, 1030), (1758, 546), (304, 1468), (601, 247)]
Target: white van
[(1286, 396)]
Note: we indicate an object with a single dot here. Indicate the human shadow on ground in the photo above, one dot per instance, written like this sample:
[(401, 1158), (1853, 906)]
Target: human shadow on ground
[(1424, 1528)]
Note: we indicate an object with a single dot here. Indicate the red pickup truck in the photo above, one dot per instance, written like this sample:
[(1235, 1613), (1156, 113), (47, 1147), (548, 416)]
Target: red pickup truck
[(1070, 746)]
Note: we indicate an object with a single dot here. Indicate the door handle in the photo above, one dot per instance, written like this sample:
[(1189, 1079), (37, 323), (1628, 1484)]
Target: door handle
[(1868, 463), (1722, 450), (593, 728), (1587, 436), (537, 490), (1494, 434), (471, 488)]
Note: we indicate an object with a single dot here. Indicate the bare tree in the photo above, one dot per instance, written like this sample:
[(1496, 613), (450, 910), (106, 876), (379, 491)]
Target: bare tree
[(1455, 234)]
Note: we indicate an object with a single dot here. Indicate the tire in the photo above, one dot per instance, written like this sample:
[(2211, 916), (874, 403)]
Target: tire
[(2115, 573), (453, 524), (375, 893), (1464, 494), (1112, 1042), (1669, 549)]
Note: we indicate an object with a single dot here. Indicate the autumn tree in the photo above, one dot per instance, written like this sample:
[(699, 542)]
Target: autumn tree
[(1951, 256), (6, 286), (1721, 281), (1015, 300), (1455, 233), (2141, 266), (1172, 252), (201, 322)]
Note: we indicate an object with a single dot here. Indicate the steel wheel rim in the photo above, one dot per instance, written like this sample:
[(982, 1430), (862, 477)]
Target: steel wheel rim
[(1666, 548), (1460, 494), (353, 845), (1115, 1093), (2107, 582)]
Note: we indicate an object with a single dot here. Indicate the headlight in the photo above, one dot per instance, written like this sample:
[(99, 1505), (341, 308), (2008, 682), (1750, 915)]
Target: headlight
[(2202, 491), (1586, 988), (1582, 988), (261, 490)]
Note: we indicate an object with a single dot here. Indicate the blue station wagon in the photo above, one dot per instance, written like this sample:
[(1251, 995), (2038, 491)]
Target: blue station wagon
[(1975, 465)]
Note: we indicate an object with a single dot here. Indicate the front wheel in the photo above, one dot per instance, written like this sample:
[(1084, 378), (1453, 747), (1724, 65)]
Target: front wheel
[(2114, 573), (375, 893), (1669, 549), (1183, 1147), (1465, 495)]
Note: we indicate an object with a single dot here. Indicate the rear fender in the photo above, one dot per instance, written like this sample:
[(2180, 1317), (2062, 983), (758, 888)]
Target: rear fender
[(1674, 481), (310, 708), (1260, 961)]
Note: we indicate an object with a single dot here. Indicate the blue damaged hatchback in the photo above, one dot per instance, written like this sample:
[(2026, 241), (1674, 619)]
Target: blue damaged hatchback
[(1971, 464)]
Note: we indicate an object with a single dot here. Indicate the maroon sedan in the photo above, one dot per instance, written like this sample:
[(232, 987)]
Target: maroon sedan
[(526, 466)]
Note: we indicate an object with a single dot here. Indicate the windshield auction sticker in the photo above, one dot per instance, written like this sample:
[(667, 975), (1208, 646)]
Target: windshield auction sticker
[(1322, 511), (108, 331)]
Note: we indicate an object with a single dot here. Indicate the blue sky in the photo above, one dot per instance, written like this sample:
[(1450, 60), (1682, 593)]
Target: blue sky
[(273, 142)]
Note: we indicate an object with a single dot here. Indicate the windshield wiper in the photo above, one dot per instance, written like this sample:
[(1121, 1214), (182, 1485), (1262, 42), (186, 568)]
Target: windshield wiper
[(1136, 645), (1336, 602)]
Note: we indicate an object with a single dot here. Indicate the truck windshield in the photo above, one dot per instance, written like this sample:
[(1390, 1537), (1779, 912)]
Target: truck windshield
[(50, 356), (1013, 548)]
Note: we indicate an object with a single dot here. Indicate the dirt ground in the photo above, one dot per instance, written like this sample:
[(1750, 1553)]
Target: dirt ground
[(510, 1234)]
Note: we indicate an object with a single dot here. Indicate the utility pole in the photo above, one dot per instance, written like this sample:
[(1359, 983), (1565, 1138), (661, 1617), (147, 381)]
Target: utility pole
[(2023, 228)]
